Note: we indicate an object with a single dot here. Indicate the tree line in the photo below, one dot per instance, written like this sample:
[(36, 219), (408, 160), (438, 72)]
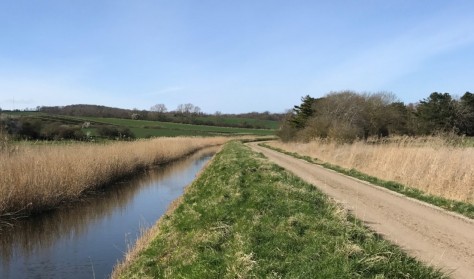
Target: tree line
[(348, 115)]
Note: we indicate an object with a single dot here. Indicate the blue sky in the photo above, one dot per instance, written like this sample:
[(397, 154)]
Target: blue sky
[(230, 56)]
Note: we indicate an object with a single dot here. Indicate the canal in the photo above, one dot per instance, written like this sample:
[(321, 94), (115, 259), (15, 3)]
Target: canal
[(86, 239)]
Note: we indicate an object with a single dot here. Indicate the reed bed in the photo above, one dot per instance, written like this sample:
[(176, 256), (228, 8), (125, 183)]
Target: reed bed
[(38, 177), (432, 164)]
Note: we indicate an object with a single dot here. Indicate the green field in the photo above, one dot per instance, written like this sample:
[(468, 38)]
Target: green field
[(247, 218), (146, 128), (228, 121)]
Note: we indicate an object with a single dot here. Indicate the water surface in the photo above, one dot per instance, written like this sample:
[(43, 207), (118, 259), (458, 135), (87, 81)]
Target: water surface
[(87, 239)]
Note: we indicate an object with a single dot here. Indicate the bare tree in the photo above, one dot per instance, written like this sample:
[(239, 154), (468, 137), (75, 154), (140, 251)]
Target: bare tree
[(160, 108), (188, 108), (345, 116), (180, 109), (196, 110)]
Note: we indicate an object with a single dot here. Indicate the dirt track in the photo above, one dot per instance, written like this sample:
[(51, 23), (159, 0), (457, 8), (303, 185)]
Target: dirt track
[(431, 234)]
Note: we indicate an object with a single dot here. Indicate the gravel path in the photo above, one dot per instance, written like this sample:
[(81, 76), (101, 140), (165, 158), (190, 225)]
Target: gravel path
[(427, 232)]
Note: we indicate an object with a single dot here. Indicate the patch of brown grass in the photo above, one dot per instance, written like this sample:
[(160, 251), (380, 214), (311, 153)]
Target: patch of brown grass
[(432, 165), (38, 177)]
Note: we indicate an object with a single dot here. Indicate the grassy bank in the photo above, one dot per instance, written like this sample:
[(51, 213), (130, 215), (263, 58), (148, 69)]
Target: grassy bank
[(246, 218), (39, 177)]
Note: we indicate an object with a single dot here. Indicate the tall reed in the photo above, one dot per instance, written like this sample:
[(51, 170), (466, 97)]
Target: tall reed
[(38, 177), (431, 164)]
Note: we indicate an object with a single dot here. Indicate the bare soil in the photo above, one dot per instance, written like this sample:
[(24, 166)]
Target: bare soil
[(429, 233)]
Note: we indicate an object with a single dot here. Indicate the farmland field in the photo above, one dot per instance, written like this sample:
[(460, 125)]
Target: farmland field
[(147, 128)]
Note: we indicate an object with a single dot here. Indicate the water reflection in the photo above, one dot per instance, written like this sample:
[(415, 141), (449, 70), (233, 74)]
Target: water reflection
[(86, 239)]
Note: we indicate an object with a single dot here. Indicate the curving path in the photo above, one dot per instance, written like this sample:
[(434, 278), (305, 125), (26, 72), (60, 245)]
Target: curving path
[(435, 236)]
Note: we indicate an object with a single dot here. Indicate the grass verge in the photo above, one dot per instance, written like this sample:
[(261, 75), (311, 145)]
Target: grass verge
[(246, 218), (466, 209)]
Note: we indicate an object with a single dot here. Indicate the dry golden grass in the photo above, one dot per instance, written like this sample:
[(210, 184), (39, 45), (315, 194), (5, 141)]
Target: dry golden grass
[(38, 177), (429, 164)]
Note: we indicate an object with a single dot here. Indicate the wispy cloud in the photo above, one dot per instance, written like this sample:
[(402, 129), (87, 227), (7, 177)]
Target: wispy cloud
[(393, 58)]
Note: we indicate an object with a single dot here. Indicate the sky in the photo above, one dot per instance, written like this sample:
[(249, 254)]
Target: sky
[(230, 56)]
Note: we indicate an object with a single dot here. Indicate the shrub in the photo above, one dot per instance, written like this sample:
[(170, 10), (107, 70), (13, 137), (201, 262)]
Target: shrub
[(58, 131), (29, 129), (112, 132)]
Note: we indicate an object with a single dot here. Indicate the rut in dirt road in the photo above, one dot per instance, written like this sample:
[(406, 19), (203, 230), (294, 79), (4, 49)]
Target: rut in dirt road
[(437, 237)]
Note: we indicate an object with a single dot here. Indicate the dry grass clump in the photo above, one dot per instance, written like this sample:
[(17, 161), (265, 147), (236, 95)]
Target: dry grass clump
[(38, 177), (430, 164)]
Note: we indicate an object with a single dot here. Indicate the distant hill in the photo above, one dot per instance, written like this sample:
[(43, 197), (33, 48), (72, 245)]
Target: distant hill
[(76, 123), (254, 120)]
